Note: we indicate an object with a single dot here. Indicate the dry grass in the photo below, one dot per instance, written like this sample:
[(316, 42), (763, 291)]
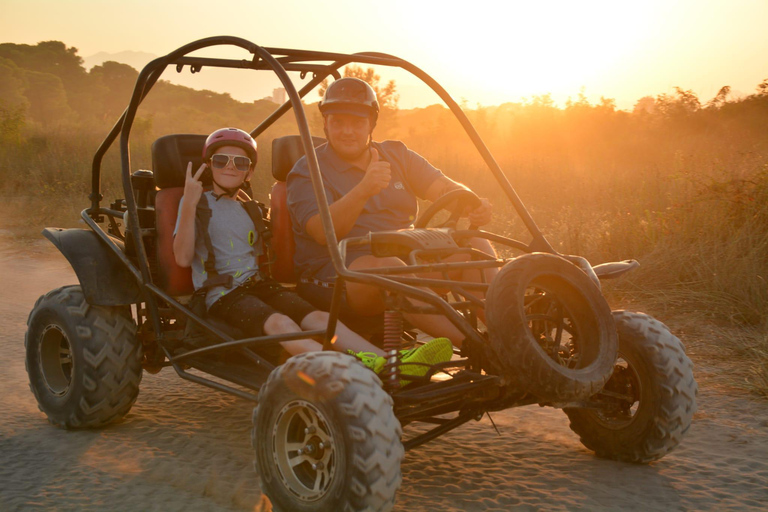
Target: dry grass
[(686, 196)]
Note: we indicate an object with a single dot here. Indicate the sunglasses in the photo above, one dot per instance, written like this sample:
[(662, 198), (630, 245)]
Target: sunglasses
[(221, 160)]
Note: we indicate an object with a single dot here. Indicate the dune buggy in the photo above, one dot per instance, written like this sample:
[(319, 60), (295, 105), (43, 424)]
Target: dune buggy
[(328, 432)]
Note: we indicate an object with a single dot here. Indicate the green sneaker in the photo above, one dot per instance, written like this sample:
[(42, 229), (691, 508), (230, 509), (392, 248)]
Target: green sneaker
[(373, 361), (415, 362)]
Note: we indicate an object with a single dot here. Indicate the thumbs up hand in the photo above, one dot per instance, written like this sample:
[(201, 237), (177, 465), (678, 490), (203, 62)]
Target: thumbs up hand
[(377, 175)]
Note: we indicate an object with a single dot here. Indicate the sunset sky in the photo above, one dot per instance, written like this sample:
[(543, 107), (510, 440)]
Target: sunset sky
[(486, 52)]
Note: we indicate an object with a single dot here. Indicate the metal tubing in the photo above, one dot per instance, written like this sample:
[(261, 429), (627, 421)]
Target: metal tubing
[(434, 267), (333, 314), (211, 384), (437, 431), (257, 341), (285, 107)]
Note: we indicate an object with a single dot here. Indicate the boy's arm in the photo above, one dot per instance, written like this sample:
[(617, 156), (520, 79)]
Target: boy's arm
[(184, 239)]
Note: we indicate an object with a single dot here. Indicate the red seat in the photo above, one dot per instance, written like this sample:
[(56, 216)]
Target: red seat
[(172, 278), (282, 234), (286, 151), (170, 155)]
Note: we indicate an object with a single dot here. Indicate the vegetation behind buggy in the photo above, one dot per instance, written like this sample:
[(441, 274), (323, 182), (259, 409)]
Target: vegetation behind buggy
[(327, 431)]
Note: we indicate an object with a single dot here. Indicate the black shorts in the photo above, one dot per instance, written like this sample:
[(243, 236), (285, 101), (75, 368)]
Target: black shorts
[(320, 296), (248, 307)]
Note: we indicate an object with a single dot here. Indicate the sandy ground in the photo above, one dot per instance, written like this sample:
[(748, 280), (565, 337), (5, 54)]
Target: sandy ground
[(184, 447)]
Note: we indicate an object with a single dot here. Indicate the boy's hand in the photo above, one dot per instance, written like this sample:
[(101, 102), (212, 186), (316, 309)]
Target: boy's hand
[(193, 188), (377, 175)]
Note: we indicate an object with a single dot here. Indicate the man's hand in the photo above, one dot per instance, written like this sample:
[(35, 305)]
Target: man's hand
[(481, 215), (193, 188), (377, 176)]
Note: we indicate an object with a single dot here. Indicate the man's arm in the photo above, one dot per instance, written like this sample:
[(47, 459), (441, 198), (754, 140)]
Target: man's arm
[(184, 239), (442, 186), (347, 209)]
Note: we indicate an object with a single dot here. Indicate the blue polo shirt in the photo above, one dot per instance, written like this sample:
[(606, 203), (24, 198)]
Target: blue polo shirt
[(395, 207)]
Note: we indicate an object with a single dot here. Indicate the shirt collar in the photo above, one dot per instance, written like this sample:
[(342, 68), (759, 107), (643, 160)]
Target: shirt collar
[(338, 163)]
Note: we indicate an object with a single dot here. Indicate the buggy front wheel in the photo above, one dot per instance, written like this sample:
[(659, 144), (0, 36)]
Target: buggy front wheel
[(326, 437), (648, 403)]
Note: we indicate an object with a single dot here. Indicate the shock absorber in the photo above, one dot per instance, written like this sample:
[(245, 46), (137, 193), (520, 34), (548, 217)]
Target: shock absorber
[(393, 330)]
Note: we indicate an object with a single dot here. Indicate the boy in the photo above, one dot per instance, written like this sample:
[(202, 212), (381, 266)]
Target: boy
[(216, 237)]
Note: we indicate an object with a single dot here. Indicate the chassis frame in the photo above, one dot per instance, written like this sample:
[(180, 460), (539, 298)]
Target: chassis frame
[(468, 393)]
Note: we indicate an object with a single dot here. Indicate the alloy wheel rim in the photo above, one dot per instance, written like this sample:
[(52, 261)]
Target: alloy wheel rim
[(304, 451), (56, 363)]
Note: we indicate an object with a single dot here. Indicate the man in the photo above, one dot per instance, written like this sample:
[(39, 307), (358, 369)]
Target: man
[(371, 186)]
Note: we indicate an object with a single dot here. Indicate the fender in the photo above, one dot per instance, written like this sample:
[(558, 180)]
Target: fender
[(103, 276)]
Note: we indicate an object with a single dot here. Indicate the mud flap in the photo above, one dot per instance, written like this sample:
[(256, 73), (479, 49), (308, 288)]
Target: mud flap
[(104, 278)]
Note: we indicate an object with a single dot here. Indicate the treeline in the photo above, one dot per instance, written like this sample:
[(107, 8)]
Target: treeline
[(46, 86), (679, 182)]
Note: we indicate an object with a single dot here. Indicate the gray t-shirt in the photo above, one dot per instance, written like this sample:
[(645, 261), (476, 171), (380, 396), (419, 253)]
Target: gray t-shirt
[(395, 207), (235, 244)]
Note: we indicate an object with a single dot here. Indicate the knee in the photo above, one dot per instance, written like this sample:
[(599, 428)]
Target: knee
[(315, 320), (484, 245), (280, 324)]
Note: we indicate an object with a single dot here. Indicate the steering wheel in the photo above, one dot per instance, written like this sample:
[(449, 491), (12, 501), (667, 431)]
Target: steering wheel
[(457, 200)]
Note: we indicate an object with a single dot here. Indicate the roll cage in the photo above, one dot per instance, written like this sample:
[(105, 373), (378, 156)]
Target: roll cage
[(318, 65)]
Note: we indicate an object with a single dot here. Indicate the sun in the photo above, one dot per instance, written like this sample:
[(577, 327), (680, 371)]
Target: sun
[(518, 49)]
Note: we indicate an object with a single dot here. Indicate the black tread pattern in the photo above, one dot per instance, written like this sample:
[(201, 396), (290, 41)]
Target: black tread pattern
[(661, 424), (517, 357), (104, 340), (355, 394)]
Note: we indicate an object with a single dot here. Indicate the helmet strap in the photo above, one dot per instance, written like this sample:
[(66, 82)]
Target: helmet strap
[(228, 191)]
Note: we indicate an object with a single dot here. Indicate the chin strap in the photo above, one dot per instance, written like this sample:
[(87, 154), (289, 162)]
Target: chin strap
[(231, 192)]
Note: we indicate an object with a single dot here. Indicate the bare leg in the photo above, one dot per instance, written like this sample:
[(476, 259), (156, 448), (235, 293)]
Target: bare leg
[(281, 324), (346, 338), (367, 300), (471, 275)]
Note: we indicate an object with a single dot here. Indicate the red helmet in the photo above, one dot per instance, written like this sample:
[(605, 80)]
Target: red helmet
[(350, 96), (230, 137)]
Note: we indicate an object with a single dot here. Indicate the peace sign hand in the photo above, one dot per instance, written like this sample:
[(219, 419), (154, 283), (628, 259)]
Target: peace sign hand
[(193, 187)]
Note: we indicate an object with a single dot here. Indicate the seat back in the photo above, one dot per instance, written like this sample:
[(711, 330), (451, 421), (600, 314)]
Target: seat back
[(170, 156), (286, 151)]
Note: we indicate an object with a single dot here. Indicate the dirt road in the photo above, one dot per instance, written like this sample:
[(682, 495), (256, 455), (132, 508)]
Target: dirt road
[(184, 447)]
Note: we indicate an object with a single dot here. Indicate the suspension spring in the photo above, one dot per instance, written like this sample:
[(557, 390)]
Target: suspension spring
[(393, 330)]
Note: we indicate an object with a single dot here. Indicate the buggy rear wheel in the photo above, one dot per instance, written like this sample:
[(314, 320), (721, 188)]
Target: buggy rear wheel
[(649, 401), (550, 329), (326, 437), (83, 361)]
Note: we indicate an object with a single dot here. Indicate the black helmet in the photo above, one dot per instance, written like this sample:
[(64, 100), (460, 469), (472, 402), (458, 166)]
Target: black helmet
[(350, 96)]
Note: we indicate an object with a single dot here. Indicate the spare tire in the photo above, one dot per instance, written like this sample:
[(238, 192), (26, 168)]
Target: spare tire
[(551, 331)]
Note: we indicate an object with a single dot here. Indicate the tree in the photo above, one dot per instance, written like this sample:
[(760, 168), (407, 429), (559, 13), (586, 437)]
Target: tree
[(53, 58), (645, 105), (720, 98), (762, 88), (47, 98), (12, 85), (117, 81), (386, 94), (683, 104)]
